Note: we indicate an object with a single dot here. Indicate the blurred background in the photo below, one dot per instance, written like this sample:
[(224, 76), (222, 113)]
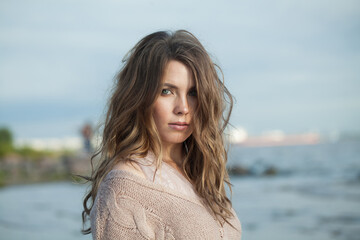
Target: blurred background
[(292, 66)]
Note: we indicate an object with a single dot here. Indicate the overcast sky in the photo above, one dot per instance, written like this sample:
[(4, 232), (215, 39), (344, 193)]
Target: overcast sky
[(291, 65)]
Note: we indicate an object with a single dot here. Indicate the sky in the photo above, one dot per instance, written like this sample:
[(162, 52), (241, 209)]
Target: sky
[(291, 65)]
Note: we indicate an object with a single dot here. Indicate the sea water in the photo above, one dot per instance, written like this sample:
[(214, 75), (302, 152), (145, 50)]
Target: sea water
[(41, 211), (314, 193)]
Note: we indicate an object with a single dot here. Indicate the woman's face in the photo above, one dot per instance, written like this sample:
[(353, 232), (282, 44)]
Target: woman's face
[(174, 107)]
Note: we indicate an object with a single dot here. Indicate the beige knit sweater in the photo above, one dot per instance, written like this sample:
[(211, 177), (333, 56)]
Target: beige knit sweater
[(130, 207)]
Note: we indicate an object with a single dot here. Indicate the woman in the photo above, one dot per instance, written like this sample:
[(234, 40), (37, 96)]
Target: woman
[(162, 170)]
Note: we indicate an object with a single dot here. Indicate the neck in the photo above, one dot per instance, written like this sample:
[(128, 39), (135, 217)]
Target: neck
[(173, 154)]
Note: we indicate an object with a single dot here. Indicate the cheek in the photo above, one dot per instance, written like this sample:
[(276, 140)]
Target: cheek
[(157, 116), (193, 104), (159, 113)]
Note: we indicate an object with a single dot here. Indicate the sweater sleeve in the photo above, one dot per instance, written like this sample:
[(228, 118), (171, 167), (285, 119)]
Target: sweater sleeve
[(117, 216)]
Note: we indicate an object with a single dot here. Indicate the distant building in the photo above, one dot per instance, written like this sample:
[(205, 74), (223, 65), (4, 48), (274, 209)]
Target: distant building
[(239, 136)]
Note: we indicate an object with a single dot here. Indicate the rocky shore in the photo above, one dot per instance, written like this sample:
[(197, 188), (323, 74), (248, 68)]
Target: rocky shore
[(17, 169)]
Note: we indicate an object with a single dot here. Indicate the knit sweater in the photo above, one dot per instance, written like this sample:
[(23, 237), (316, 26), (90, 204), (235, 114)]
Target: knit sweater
[(130, 207)]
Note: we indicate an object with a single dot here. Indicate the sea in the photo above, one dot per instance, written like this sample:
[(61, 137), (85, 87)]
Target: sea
[(313, 193)]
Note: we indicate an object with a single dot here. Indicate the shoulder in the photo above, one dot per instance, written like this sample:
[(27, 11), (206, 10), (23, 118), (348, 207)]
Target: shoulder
[(126, 179), (131, 167)]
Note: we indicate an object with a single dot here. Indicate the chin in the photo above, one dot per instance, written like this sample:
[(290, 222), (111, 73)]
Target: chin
[(175, 139)]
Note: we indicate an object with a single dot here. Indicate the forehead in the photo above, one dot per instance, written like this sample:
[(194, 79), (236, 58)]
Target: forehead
[(178, 74)]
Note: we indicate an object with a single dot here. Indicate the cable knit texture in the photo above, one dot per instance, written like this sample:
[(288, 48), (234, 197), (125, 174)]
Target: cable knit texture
[(130, 207)]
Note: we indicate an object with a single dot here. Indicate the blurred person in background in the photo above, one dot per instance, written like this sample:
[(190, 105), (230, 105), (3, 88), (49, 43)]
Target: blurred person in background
[(87, 133), (162, 168)]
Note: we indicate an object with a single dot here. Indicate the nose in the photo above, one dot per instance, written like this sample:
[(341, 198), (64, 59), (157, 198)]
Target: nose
[(182, 106)]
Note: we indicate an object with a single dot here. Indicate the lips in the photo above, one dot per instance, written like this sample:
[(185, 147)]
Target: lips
[(179, 126)]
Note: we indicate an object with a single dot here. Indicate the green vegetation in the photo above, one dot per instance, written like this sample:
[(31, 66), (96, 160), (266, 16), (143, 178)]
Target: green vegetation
[(6, 142), (22, 165), (7, 147), (33, 154)]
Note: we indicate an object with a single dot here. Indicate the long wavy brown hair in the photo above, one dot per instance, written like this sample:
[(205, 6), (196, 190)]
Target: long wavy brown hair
[(129, 128)]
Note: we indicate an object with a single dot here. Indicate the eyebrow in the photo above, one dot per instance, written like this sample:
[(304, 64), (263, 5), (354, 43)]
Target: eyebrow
[(170, 85), (175, 87)]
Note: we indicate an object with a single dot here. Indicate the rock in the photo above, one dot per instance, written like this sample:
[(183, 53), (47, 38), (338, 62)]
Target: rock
[(270, 171), (238, 171)]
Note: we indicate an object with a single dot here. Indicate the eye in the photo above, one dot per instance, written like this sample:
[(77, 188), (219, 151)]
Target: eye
[(193, 93), (165, 92)]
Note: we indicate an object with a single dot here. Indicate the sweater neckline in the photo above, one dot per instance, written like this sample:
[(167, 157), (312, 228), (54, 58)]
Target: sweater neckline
[(118, 173)]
